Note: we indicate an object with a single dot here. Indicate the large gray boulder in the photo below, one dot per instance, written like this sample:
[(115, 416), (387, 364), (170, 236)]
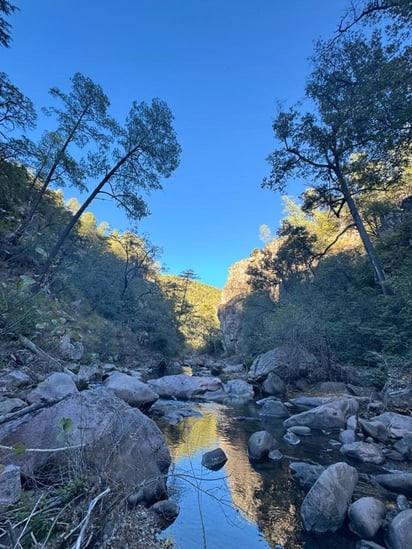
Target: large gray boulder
[(131, 390), (287, 363), (399, 534), (398, 424), (239, 388), (274, 385), (183, 387), (331, 415), (366, 516), (325, 505), (56, 385), (100, 433), (363, 451), (375, 429)]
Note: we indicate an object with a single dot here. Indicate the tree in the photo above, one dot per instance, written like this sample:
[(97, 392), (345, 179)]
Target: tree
[(8, 9), (82, 118), (357, 136), (373, 11), (143, 150), (16, 111)]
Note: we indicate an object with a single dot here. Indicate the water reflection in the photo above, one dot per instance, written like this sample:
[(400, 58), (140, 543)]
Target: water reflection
[(242, 505)]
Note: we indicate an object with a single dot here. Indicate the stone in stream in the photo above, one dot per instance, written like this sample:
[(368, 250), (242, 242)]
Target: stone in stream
[(375, 429), (273, 407), (399, 533), (306, 473), (396, 482), (260, 444), (214, 460), (325, 505), (398, 424), (366, 516), (331, 415), (183, 387), (291, 438), (363, 451)]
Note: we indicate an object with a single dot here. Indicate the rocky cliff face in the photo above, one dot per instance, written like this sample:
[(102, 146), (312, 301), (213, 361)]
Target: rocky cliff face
[(231, 306)]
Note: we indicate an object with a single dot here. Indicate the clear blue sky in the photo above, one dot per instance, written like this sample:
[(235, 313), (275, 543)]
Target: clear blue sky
[(221, 65)]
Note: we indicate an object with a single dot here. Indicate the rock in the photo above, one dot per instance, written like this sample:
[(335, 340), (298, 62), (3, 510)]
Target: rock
[(183, 387), (285, 362), (10, 485), (375, 429), (87, 375), (306, 473), (366, 516), (69, 349), (16, 379), (166, 509), (352, 423), (239, 388), (325, 505), (109, 437), (363, 451), (402, 503), (173, 368), (300, 430), (57, 385), (260, 444), (399, 533), (274, 385), (131, 390), (400, 400), (404, 446), (273, 407), (275, 455), (331, 415), (396, 482), (347, 436), (291, 438), (398, 424), (266, 363), (214, 460), (10, 405), (233, 370)]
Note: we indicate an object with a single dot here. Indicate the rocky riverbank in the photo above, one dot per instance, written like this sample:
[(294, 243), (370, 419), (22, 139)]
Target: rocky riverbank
[(81, 451)]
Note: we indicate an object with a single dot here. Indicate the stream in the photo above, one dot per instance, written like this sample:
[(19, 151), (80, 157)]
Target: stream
[(244, 504)]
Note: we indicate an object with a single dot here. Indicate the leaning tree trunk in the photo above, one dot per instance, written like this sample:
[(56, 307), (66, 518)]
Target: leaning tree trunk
[(366, 241)]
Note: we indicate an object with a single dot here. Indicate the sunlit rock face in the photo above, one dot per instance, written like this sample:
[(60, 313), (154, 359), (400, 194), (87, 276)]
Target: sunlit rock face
[(230, 311)]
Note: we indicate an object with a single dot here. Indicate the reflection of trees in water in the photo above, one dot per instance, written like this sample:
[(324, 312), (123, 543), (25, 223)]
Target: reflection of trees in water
[(265, 492), (191, 435)]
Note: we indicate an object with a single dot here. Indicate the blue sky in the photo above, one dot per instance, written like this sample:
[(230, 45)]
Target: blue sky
[(221, 65)]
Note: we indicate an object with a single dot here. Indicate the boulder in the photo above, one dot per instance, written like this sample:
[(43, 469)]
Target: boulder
[(69, 349), (331, 415), (399, 533), (15, 379), (100, 433), (131, 390), (166, 510), (306, 473), (10, 485), (396, 482), (404, 446), (363, 451), (274, 385), (260, 444), (307, 402), (57, 385), (239, 388), (325, 505), (183, 387), (300, 430), (366, 516), (400, 400), (266, 363), (272, 407), (10, 405), (332, 387), (375, 429), (347, 436), (398, 424), (214, 460), (86, 375)]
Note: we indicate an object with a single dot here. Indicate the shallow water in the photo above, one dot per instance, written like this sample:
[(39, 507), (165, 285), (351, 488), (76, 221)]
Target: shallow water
[(253, 505)]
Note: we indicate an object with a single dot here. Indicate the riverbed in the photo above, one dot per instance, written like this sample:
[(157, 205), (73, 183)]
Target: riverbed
[(245, 504)]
